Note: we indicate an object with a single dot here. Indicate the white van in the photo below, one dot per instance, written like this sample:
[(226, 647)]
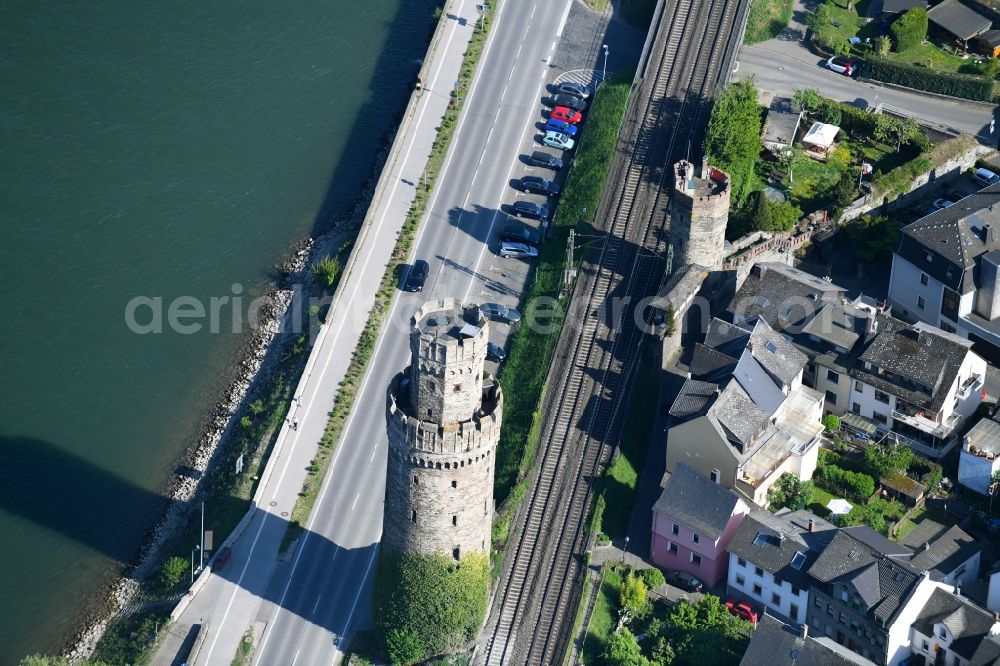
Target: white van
[(985, 177)]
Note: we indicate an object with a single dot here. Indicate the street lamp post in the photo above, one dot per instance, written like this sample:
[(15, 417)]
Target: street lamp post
[(625, 550), (604, 74)]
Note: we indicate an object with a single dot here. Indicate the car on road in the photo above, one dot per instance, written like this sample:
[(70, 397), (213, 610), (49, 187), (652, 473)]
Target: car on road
[(501, 313), (417, 276), (985, 177), (531, 210), (685, 581), (841, 65), (560, 126), (540, 158), (558, 140), (573, 88), (570, 102), (743, 610), (566, 114), (518, 250), (518, 233), (539, 185), (495, 353)]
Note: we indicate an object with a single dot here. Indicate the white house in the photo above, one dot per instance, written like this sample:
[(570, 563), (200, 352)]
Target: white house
[(950, 630), (980, 456)]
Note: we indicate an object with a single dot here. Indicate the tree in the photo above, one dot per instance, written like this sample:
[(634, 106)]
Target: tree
[(257, 407), (174, 570), (789, 491), (770, 215), (909, 29), (844, 192), (732, 139), (622, 649), (403, 646), (653, 578), (633, 594), (888, 459), (874, 237), (819, 18), (831, 422), (882, 46), (809, 99), (663, 653), (671, 320), (896, 129), (327, 271)]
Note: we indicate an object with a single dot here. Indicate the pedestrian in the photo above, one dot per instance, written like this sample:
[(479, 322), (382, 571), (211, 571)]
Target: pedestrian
[(295, 423)]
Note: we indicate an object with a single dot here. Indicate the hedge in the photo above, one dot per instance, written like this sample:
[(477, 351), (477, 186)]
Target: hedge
[(922, 78), (855, 485), (909, 29)]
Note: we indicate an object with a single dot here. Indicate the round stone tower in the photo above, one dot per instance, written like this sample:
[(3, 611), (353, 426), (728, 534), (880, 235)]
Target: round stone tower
[(699, 212), (443, 424)]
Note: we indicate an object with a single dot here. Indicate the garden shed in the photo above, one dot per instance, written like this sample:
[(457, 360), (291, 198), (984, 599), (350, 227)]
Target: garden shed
[(890, 9), (781, 124), (989, 43), (820, 140), (958, 21)]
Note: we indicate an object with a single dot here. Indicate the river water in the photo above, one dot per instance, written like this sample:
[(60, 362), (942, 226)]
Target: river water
[(159, 150)]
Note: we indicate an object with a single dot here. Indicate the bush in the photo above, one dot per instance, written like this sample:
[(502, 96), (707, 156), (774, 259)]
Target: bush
[(789, 491), (855, 485), (429, 603), (831, 422), (327, 271), (653, 578), (943, 83), (173, 572), (909, 29), (623, 649), (770, 215), (633, 595), (874, 238)]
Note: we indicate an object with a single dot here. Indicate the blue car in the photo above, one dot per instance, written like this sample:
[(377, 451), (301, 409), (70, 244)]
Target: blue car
[(560, 126)]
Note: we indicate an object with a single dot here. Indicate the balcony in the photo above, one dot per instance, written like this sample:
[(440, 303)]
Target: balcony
[(929, 450), (924, 424), (972, 385)]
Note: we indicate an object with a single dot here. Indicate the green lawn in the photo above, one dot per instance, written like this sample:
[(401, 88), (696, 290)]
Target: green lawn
[(603, 618), (818, 501), (619, 482), (766, 19)]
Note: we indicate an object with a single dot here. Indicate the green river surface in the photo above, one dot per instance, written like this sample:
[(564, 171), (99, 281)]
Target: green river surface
[(165, 150)]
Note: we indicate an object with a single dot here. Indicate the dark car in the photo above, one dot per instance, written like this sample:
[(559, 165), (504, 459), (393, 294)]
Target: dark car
[(540, 158), (569, 102), (531, 210), (500, 313), (539, 185), (572, 88), (418, 275), (517, 233), (495, 353), (685, 581)]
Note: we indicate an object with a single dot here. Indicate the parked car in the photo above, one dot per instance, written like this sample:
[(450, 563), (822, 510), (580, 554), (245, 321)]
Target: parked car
[(540, 158), (558, 140), (560, 126), (539, 185), (566, 114), (501, 313), (569, 101), (743, 610), (517, 250), (531, 210), (685, 581), (495, 353), (418, 275), (841, 65), (985, 177), (574, 89), (518, 233), (950, 199)]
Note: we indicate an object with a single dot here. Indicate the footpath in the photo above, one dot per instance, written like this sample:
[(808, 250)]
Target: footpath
[(225, 603)]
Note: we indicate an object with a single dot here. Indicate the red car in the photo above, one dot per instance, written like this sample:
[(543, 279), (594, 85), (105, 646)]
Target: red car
[(743, 611), (566, 114)]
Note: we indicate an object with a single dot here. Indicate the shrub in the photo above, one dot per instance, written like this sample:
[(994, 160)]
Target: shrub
[(909, 29), (882, 45), (633, 594), (173, 572), (789, 491), (653, 578), (429, 603), (327, 271), (911, 76), (831, 422), (886, 459), (623, 649), (855, 485), (770, 215)]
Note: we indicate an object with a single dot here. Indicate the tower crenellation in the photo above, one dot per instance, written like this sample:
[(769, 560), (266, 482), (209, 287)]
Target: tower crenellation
[(443, 422), (699, 213)]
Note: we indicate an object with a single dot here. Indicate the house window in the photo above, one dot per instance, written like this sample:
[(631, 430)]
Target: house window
[(740, 580), (796, 591), (942, 634), (715, 476), (758, 571), (694, 537), (757, 591), (926, 646), (921, 302), (949, 304), (671, 547), (696, 559), (793, 612), (778, 581), (929, 257), (775, 599), (740, 561), (945, 326), (454, 484), (413, 517), (675, 530), (882, 397), (456, 554), (833, 376), (841, 618), (923, 278), (856, 408), (858, 386), (829, 611), (831, 398), (817, 603), (880, 418), (454, 520), (416, 481), (843, 595)]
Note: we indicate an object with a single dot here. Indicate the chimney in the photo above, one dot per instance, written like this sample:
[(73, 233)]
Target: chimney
[(871, 325), (988, 236), (927, 545), (704, 169), (804, 631), (812, 528)]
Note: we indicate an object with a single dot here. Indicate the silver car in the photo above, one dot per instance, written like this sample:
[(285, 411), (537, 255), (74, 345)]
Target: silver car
[(558, 140), (518, 250)]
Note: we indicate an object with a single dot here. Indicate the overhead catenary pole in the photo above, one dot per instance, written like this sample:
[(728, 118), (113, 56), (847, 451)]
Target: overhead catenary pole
[(201, 549), (604, 73)]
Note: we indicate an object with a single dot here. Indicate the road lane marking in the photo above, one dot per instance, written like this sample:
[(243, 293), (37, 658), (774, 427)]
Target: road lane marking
[(354, 606), (316, 605), (562, 22), (355, 501), (296, 657)]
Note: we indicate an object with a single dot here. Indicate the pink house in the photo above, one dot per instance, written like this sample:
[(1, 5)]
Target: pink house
[(693, 521)]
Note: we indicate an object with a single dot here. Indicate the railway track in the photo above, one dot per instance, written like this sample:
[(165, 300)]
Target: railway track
[(532, 611)]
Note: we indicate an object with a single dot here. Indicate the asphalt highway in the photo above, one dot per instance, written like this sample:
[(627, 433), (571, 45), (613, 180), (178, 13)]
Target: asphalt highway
[(321, 594)]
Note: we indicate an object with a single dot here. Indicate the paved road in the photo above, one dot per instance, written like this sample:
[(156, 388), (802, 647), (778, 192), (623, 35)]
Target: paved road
[(776, 70), (321, 593)]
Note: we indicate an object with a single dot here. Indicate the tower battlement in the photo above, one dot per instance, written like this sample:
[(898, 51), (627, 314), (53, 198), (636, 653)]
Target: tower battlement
[(699, 213)]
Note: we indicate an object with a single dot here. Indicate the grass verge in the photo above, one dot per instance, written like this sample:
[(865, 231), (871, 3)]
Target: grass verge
[(618, 485), (531, 350), (766, 20), (603, 618)]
